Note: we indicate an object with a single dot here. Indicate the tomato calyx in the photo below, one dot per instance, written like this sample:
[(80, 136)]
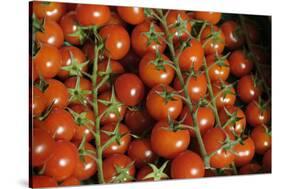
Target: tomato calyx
[(83, 152), (157, 173), (232, 118), (152, 35), (220, 60), (159, 62), (78, 94), (214, 36), (166, 95), (80, 118), (81, 33), (38, 25), (115, 135), (123, 174), (180, 26), (262, 104), (226, 89)]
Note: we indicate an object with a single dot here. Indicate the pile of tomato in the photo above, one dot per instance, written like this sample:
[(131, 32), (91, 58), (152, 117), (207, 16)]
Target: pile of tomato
[(123, 94)]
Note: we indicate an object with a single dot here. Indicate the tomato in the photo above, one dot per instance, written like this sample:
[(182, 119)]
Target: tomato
[(141, 152), (240, 64), (60, 124), (110, 172), (47, 61), (123, 136), (192, 56), (161, 103), (116, 19), (244, 153), (234, 36), (140, 41), (90, 15), (154, 70), (212, 17), (187, 165), (129, 89), (63, 161), (143, 171), (177, 140), (214, 40), (56, 94), (39, 102), (42, 146), (89, 50), (266, 161), (131, 15), (72, 56), (251, 168), (248, 88), (71, 181), (131, 61), (213, 140), (261, 138), (117, 41), (256, 114), (42, 181), (218, 67), (205, 119), (49, 10), (224, 93)]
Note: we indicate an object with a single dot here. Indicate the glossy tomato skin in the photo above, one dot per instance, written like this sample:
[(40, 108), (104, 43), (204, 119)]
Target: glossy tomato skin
[(131, 15), (89, 15), (71, 181), (60, 124), (266, 161), (169, 149), (234, 37), (110, 163), (212, 17), (217, 72), (117, 41), (240, 64), (247, 89), (115, 148), (140, 41), (159, 108), (187, 165), (250, 168), (52, 10), (43, 181), (39, 102), (129, 89), (42, 146), (47, 61), (223, 97), (255, 115), (244, 152), (63, 161), (153, 74), (262, 139)]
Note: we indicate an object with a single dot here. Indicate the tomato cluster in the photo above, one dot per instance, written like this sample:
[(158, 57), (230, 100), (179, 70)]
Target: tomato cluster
[(123, 94)]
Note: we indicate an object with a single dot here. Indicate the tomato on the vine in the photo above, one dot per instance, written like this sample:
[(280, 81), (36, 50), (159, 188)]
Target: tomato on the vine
[(39, 102), (49, 10), (250, 168), (234, 36), (240, 63), (43, 181), (248, 88), (224, 94), (261, 138), (218, 67), (71, 181), (131, 15), (211, 17), (257, 113), (244, 152)]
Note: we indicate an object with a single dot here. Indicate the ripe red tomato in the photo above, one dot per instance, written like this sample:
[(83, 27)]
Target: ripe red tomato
[(154, 70), (218, 67), (110, 172), (129, 89), (116, 19), (251, 168), (143, 171), (248, 89), (43, 181), (47, 61), (177, 141), (42, 146), (131, 15), (234, 36), (140, 41), (160, 102), (244, 153), (213, 140), (117, 41), (187, 165), (240, 64), (124, 138), (39, 102), (71, 181), (60, 124), (62, 163), (266, 161), (225, 95), (212, 17), (261, 138), (257, 115), (90, 15), (49, 10)]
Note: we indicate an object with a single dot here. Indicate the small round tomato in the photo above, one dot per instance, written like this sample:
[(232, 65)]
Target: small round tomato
[(47, 61), (125, 167), (123, 139), (192, 56), (161, 103), (131, 15), (60, 124), (90, 15), (266, 161), (250, 168), (39, 102), (212, 17), (187, 165), (140, 39), (49, 10), (177, 140), (240, 64), (116, 19), (224, 93), (43, 182), (256, 114), (154, 69), (244, 153), (213, 141), (63, 161), (218, 67), (71, 181), (248, 88), (234, 37), (129, 89), (261, 138), (117, 41), (143, 172), (42, 146), (213, 40)]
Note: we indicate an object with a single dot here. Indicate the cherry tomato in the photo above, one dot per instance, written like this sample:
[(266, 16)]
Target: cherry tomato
[(117, 41), (187, 165), (131, 61), (43, 181), (39, 102), (225, 94), (169, 149), (244, 153), (161, 103), (262, 139), (154, 70), (248, 88), (218, 67), (49, 10), (131, 15), (143, 171), (116, 19), (266, 161), (251, 168), (234, 37), (212, 17), (256, 114), (240, 64), (71, 181)]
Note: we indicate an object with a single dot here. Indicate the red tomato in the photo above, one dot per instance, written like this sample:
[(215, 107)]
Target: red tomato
[(262, 139), (131, 15), (49, 10), (116, 19), (218, 67), (131, 61), (266, 161), (244, 153), (251, 168), (257, 115), (248, 88), (240, 64), (234, 36), (43, 181), (225, 95), (177, 141), (187, 165), (154, 70), (143, 171), (71, 181), (212, 17), (39, 102), (89, 50)]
